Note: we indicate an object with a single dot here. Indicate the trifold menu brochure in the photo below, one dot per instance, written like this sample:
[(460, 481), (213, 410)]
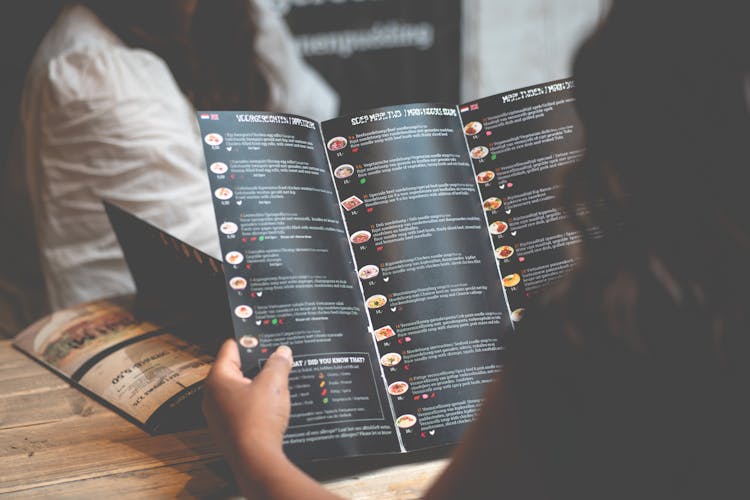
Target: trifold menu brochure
[(393, 250)]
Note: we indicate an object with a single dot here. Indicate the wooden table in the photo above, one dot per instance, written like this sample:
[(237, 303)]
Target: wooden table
[(57, 442)]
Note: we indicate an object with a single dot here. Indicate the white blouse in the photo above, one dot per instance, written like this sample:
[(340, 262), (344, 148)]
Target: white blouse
[(101, 120)]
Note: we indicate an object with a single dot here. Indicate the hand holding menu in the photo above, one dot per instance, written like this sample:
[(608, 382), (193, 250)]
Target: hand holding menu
[(392, 250)]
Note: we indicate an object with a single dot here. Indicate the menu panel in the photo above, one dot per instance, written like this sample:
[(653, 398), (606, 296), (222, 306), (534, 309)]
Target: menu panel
[(290, 281), (519, 144), (425, 264)]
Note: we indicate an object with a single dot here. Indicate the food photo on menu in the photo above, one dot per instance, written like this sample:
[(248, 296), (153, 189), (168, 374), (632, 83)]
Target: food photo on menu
[(394, 250)]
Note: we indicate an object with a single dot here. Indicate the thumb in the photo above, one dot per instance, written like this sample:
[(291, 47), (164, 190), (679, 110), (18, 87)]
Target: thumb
[(277, 368)]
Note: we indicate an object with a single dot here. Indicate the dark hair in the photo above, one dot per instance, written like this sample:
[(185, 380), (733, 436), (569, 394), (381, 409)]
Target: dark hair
[(662, 93), (631, 382), (210, 51)]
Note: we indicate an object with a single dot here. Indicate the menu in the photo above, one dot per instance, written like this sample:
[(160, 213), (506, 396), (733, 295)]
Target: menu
[(141, 368), (394, 250), (147, 355)]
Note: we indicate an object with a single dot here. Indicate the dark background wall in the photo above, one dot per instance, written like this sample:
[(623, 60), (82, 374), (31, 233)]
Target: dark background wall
[(22, 25), (381, 52), (373, 52)]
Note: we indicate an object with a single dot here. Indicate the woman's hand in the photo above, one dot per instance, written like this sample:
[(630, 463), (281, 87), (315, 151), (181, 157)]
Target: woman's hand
[(248, 419), (248, 413)]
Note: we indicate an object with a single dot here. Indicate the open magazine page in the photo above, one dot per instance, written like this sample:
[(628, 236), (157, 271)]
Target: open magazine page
[(424, 260), (136, 365), (289, 280), (519, 143)]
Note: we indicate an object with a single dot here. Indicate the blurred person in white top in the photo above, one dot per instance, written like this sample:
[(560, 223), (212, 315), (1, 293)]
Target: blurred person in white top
[(108, 112)]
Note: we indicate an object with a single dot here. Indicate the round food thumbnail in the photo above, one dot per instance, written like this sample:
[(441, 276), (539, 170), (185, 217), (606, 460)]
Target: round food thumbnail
[(498, 227), (248, 341), (504, 252), (376, 301), (343, 171), (213, 139), (406, 421), (368, 271), (398, 388), (472, 128), (238, 283), (492, 204), (511, 280), (360, 237), (223, 193), (219, 168), (228, 227), (383, 333), (479, 152), (390, 359), (485, 176), (337, 143), (234, 258), (243, 311)]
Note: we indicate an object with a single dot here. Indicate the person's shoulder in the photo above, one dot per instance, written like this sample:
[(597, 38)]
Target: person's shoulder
[(80, 59), (74, 28)]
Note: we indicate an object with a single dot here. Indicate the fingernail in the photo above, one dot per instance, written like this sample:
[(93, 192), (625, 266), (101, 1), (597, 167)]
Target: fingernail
[(284, 351)]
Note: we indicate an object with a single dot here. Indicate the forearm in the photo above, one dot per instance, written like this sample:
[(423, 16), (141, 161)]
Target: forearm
[(235, 406), (491, 462), (268, 474)]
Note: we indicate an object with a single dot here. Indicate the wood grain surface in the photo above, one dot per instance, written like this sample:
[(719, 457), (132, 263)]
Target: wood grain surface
[(57, 442)]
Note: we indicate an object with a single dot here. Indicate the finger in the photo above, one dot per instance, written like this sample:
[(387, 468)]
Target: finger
[(277, 368), (227, 363)]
